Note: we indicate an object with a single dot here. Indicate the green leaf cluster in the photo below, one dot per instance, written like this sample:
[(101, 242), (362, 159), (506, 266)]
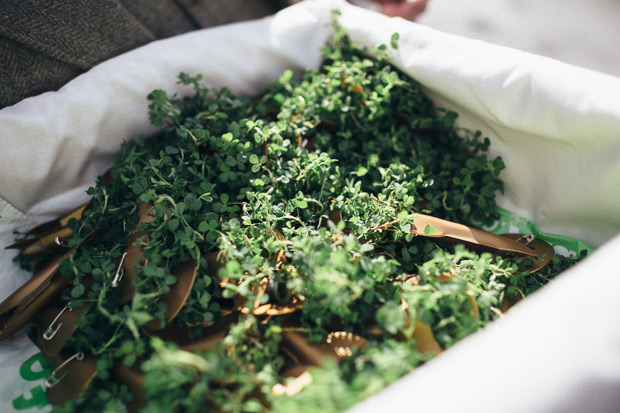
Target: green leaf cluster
[(258, 181)]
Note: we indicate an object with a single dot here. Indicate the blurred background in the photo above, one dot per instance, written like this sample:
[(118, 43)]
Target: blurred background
[(584, 33)]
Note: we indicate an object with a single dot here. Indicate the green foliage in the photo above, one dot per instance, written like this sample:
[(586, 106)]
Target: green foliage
[(261, 178)]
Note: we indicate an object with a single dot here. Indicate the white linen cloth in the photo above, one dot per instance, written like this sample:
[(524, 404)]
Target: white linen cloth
[(557, 128)]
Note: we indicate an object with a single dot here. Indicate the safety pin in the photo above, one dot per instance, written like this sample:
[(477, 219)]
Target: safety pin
[(526, 239), (52, 380), (61, 242), (120, 271), (50, 332)]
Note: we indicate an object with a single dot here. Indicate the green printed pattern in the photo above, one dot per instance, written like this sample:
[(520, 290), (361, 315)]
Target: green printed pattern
[(509, 222), (36, 396)]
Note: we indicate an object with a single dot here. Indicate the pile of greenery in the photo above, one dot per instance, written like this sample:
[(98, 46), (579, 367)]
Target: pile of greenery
[(305, 193)]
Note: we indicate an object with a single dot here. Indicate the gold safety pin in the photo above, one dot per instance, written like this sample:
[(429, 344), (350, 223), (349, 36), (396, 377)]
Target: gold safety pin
[(50, 332), (52, 380)]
